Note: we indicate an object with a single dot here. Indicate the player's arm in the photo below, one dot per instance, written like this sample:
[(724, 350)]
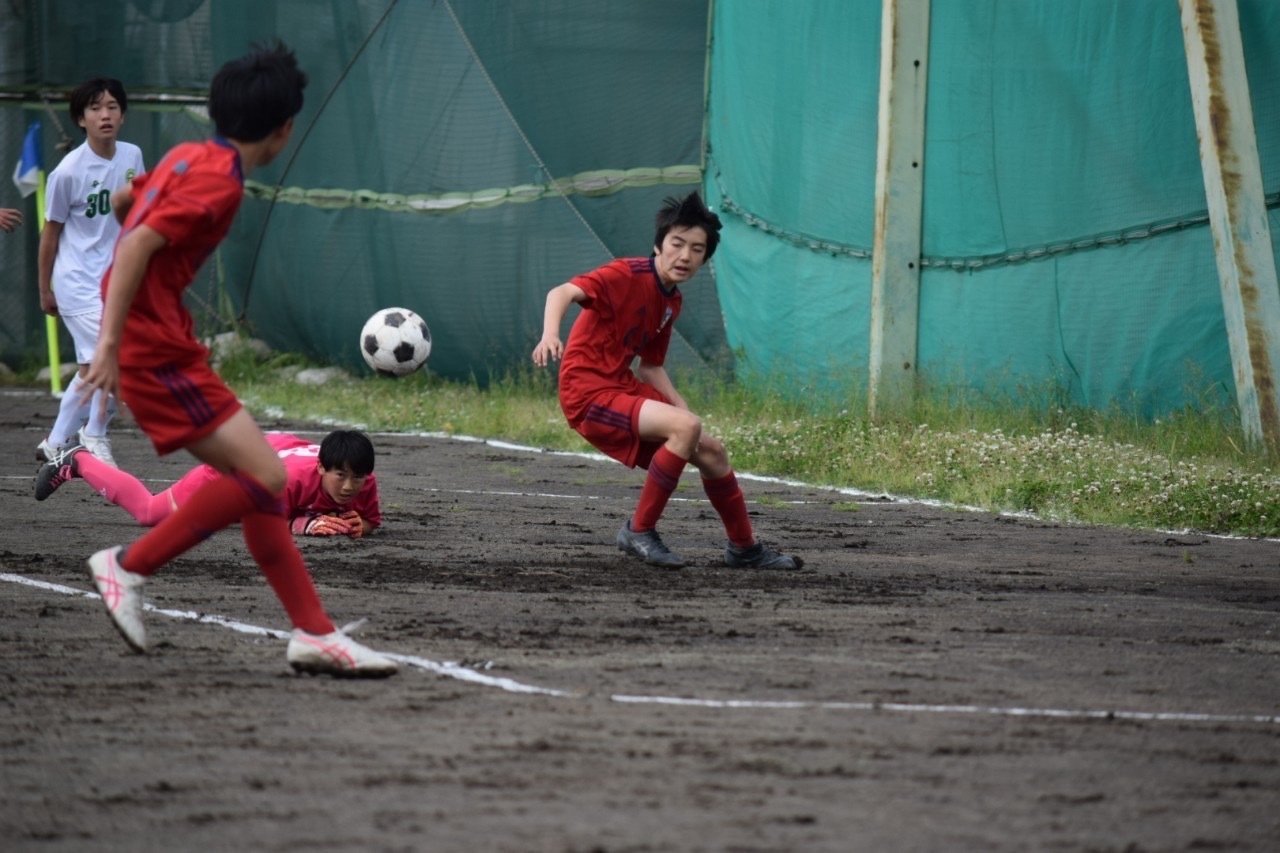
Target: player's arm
[(550, 348), (133, 253), (45, 257), (656, 375)]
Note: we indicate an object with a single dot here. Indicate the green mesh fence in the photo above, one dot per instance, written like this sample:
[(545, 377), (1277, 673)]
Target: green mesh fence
[(1065, 235), (457, 158), (460, 157)]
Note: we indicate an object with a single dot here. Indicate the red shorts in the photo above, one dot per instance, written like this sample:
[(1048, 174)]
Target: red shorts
[(177, 405), (611, 422)]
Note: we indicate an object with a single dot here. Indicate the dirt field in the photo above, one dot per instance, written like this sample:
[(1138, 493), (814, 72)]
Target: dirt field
[(933, 680)]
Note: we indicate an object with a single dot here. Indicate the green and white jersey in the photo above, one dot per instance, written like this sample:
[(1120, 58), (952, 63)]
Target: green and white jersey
[(79, 196)]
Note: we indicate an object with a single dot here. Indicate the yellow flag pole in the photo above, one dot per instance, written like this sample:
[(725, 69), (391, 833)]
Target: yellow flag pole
[(50, 321)]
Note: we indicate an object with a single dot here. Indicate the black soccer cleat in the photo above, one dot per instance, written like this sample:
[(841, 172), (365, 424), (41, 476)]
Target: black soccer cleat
[(648, 546), (759, 557)]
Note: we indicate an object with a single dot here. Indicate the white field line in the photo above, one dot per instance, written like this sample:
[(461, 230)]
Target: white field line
[(880, 497), (460, 672)]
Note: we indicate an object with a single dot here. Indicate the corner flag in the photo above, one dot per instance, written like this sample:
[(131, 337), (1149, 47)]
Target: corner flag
[(26, 175)]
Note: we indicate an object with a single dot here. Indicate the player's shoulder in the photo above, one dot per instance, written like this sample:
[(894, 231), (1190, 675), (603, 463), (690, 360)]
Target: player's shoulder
[(619, 268), (635, 266), (130, 151), (186, 155), (71, 162)]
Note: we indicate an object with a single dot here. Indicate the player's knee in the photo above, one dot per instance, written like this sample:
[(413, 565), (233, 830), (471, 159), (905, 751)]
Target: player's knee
[(690, 428), (711, 454)]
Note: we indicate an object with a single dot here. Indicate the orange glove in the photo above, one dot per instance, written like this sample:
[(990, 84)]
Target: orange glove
[(353, 518), (321, 525)]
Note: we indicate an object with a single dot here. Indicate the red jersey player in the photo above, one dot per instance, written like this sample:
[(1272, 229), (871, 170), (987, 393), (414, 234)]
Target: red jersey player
[(173, 219), (629, 307), (331, 488)]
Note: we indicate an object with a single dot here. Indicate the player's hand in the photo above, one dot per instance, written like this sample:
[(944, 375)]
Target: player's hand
[(353, 518), (9, 218), (49, 303), (104, 373), (321, 525), (548, 349)]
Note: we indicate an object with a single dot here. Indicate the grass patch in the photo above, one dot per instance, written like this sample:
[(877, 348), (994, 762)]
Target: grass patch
[(1185, 471)]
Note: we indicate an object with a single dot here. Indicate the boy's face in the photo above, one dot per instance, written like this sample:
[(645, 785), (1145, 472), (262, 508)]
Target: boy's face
[(102, 118), (340, 484), (681, 255)]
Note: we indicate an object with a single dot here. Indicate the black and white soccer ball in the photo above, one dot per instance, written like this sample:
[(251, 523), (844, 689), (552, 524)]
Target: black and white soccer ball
[(395, 341)]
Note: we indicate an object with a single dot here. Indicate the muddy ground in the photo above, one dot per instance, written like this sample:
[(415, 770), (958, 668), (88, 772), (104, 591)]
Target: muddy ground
[(933, 680)]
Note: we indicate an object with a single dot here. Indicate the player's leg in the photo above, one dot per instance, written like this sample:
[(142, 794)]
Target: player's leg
[(251, 492), (721, 485), (647, 432), (316, 645), (178, 407), (119, 487), (71, 413), (93, 415), (679, 431), (94, 433), (253, 481)]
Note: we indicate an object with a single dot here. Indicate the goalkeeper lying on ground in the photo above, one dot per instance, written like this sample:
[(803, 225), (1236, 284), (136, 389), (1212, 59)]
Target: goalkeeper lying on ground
[(331, 489)]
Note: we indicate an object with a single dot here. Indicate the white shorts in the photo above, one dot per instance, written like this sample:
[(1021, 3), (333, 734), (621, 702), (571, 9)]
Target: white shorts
[(84, 329)]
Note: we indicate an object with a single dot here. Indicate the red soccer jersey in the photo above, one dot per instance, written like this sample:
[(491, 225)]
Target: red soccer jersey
[(190, 199), (303, 494), (626, 314)]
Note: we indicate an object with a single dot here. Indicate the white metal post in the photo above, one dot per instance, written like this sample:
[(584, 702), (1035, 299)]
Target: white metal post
[(895, 264), (1237, 210)]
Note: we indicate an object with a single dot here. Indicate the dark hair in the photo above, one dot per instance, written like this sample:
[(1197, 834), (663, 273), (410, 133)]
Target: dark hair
[(347, 448), (89, 91), (688, 212), (254, 95)]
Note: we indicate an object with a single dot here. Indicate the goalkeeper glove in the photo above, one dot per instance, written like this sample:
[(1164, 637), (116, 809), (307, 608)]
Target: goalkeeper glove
[(353, 518), (320, 525)]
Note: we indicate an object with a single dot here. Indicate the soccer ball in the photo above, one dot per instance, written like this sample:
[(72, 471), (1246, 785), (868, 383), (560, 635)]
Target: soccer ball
[(395, 341)]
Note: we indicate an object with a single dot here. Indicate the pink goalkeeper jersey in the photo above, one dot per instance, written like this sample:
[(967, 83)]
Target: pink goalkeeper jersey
[(303, 494)]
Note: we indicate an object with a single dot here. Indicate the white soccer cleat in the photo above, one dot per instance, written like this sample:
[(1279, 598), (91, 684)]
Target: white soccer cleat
[(338, 655), (121, 592), (99, 446)]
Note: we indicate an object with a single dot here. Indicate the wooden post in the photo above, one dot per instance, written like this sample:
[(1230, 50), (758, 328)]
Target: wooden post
[(895, 263), (1237, 210)]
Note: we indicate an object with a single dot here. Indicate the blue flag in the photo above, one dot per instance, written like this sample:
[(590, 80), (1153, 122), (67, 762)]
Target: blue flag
[(26, 175)]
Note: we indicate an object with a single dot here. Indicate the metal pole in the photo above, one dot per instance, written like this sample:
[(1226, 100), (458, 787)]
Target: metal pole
[(895, 264), (1237, 210)]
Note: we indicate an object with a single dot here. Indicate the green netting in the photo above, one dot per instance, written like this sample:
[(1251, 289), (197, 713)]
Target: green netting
[(461, 157), (458, 158), (1065, 235)]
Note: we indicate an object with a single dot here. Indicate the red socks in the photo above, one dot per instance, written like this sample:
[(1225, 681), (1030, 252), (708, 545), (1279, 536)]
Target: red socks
[(664, 475), (272, 546), (218, 504), (727, 498), (725, 495)]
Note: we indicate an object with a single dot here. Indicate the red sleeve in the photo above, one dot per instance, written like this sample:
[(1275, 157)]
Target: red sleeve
[(598, 284)]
